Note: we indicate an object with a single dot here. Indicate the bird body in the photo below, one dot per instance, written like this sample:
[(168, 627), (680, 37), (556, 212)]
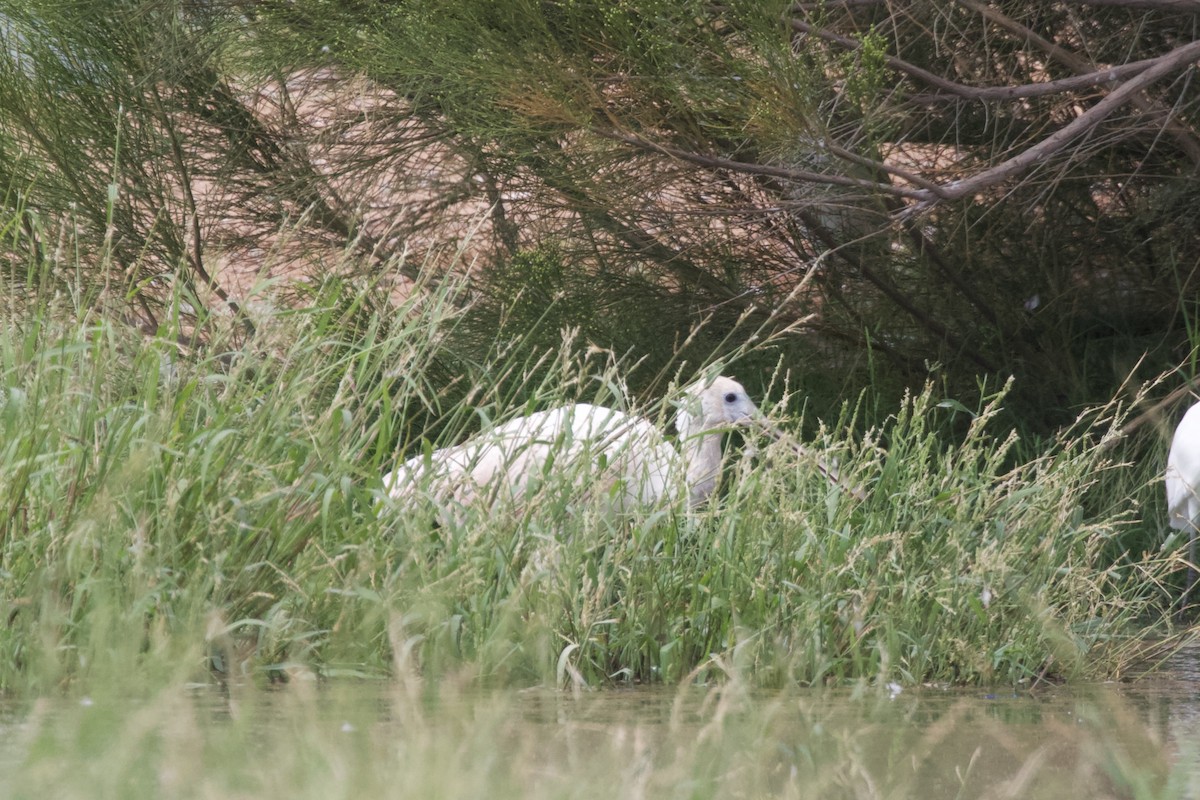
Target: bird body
[(618, 457), (1183, 473), (1183, 486)]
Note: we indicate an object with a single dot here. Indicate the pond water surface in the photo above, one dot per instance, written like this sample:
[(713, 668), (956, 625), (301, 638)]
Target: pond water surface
[(408, 739)]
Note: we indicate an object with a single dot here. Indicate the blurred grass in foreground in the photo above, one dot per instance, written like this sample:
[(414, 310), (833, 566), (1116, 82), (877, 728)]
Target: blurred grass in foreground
[(401, 739)]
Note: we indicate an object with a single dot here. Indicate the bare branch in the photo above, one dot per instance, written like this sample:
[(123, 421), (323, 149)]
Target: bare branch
[(1184, 138), (825, 6), (1099, 77), (870, 163), (1181, 6), (807, 176), (1085, 122), (895, 294), (958, 91), (930, 193), (900, 65)]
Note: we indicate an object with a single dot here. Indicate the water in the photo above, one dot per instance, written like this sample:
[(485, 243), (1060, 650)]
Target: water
[(408, 739)]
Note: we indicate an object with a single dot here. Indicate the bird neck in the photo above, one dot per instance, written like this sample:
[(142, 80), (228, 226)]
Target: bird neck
[(702, 459)]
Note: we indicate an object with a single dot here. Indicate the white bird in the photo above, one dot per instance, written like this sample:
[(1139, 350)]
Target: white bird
[(606, 453), (1183, 485)]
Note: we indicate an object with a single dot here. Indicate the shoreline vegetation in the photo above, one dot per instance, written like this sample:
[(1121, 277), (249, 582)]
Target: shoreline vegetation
[(221, 509), (257, 254), (918, 294)]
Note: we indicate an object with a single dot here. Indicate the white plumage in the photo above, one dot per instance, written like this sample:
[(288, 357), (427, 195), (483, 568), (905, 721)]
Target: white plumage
[(620, 458), (1183, 484), (1183, 473)]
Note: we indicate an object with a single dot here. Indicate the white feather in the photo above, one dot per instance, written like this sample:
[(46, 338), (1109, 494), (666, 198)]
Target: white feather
[(616, 456), (1183, 473)]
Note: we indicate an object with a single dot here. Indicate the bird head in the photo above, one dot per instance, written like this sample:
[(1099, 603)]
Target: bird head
[(713, 403), (719, 402)]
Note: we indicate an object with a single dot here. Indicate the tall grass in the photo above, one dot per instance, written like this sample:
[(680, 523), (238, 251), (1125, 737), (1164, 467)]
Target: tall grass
[(221, 511)]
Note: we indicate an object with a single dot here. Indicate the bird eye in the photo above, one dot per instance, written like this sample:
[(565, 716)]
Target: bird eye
[(730, 398)]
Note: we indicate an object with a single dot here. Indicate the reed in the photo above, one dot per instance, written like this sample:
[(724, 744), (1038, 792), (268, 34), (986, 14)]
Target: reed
[(222, 510)]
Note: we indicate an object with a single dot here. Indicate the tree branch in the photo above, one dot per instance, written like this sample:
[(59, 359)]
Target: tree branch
[(637, 240), (955, 190), (1178, 6), (1085, 122), (801, 175), (1181, 6), (1184, 138), (893, 293), (955, 91)]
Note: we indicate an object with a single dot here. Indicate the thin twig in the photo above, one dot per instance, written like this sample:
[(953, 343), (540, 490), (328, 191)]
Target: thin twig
[(807, 176)]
